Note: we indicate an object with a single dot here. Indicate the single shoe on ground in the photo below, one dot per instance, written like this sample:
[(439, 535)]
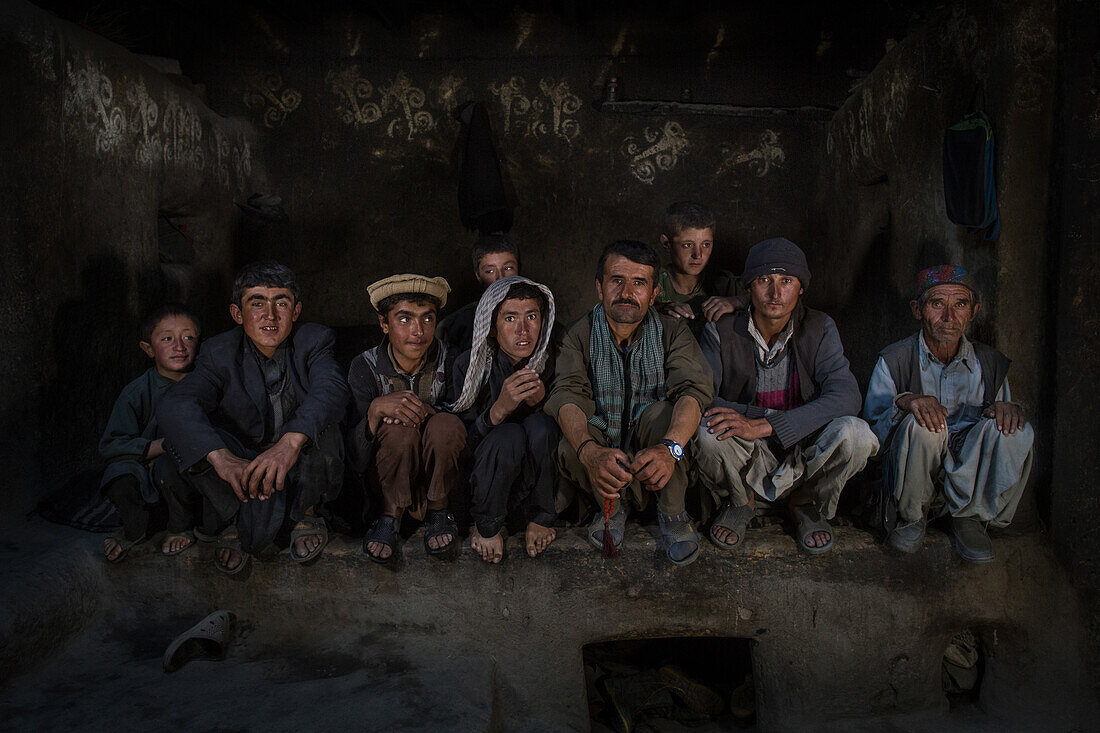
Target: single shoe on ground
[(969, 538), (680, 538), (908, 536), (208, 639)]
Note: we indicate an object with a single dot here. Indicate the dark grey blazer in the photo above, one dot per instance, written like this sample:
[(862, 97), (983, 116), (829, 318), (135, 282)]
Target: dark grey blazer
[(223, 399)]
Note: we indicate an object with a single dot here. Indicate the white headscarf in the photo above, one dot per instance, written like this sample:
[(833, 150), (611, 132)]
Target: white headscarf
[(481, 353)]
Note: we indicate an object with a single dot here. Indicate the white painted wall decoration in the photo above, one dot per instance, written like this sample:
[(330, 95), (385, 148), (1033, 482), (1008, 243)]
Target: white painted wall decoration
[(407, 101), (354, 92), (660, 151), (264, 91)]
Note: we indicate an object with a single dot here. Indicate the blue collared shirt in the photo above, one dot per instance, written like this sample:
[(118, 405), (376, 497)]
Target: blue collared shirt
[(957, 386)]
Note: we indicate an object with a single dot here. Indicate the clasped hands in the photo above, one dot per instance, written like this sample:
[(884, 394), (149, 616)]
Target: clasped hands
[(263, 475), (610, 469)]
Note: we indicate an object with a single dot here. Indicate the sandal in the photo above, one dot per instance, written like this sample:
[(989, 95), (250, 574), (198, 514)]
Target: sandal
[(809, 520), (207, 639), (229, 539), (308, 526), (439, 522), (617, 525), (187, 535), (734, 519), (383, 531), (678, 536), (124, 546)]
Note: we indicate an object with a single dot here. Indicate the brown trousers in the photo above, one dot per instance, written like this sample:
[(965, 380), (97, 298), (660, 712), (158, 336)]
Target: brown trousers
[(414, 466)]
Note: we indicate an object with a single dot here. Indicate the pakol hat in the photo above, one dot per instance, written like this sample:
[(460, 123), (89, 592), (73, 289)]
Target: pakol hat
[(408, 283), (776, 255), (944, 275)]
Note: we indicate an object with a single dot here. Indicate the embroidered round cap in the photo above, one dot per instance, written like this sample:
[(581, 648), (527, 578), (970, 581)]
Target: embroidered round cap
[(944, 275), (776, 255), (408, 283)]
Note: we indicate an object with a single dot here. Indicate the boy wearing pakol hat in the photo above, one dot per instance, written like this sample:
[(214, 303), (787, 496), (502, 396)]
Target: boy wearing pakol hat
[(783, 425), (407, 448), (501, 385), (953, 441)]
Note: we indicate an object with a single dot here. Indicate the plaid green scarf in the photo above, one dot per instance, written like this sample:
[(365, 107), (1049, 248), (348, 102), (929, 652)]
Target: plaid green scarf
[(605, 365)]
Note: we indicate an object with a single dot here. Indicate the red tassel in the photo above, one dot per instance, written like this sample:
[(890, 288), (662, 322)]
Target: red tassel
[(609, 549)]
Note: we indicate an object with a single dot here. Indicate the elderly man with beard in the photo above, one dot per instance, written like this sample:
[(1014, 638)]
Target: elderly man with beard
[(953, 442), (628, 394)]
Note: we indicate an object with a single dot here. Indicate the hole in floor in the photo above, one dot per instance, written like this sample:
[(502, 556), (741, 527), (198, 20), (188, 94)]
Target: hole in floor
[(963, 668), (667, 684)]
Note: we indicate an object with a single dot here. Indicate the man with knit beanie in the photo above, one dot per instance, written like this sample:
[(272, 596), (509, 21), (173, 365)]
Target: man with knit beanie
[(953, 442), (782, 425)]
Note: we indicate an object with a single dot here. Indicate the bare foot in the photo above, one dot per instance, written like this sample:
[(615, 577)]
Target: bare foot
[(491, 549), (111, 548), (175, 543), (817, 539), (539, 538), (230, 559), (305, 545), (725, 535)]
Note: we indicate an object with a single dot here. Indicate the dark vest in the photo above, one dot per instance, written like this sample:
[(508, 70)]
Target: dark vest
[(903, 361), (738, 351)]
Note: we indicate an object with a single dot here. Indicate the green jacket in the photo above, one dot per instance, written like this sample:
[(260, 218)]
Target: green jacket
[(686, 372)]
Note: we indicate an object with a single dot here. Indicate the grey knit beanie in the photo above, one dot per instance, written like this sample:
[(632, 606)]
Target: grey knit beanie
[(776, 255)]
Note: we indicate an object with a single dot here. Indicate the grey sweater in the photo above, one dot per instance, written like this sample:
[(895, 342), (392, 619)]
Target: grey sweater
[(828, 388)]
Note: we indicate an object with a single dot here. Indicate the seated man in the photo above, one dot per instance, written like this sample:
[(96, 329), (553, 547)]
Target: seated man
[(409, 452), (256, 425), (941, 407), (501, 385), (782, 422), (628, 392), (684, 288), (495, 256), (134, 447)]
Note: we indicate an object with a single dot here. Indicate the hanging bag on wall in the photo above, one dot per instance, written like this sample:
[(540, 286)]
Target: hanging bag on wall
[(969, 188)]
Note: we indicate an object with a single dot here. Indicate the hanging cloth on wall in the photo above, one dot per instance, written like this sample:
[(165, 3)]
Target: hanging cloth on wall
[(482, 201), (969, 185)]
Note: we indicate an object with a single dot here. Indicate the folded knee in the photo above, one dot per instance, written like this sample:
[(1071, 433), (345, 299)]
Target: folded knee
[(916, 434), (397, 436), (857, 436)]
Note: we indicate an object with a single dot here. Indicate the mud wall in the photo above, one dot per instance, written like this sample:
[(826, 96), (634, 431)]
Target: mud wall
[(96, 144)]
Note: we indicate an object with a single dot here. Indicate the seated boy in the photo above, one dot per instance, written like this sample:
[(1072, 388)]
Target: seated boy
[(502, 384), (495, 256), (132, 443), (683, 289), (256, 425), (408, 451)]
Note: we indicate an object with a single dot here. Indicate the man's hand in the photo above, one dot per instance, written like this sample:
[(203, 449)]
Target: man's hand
[(676, 310), (653, 467), (928, 411), (518, 388), (403, 408), (230, 469), (155, 449), (606, 469), (1009, 417), (267, 472), (717, 306), (725, 422)]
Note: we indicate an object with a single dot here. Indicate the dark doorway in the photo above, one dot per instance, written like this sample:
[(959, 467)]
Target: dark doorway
[(664, 683)]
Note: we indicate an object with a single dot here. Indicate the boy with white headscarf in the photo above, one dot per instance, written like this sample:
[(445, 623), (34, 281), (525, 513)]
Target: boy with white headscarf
[(502, 384)]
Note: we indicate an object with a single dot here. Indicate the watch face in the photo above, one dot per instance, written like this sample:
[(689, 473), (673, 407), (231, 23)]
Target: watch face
[(675, 449)]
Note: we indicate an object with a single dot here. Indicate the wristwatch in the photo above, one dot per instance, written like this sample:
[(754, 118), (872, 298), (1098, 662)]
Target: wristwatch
[(674, 448)]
